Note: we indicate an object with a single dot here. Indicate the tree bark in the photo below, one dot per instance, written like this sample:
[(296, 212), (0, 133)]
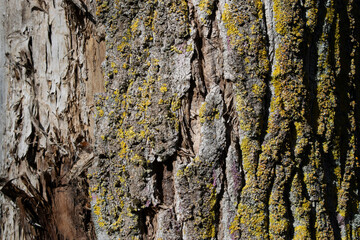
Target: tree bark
[(212, 119), (53, 54)]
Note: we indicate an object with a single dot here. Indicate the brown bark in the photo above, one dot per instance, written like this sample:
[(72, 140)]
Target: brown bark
[(53, 56)]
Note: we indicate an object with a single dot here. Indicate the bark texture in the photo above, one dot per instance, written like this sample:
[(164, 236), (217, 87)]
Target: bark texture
[(53, 56), (213, 119)]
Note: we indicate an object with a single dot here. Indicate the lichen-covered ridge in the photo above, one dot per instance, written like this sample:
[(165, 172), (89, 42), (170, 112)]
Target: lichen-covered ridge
[(228, 119)]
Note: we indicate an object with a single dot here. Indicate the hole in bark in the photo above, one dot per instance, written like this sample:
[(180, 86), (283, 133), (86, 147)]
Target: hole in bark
[(158, 169), (164, 181), (147, 223), (168, 184), (31, 154)]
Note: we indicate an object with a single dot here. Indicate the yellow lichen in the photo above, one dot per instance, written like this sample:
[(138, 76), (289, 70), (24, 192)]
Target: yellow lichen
[(163, 88), (134, 26)]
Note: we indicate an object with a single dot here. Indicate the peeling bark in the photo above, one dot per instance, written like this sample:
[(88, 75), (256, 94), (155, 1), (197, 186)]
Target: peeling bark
[(53, 53)]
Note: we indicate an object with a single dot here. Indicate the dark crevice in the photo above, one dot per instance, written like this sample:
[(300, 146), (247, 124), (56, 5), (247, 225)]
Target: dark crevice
[(164, 185), (31, 153), (331, 190), (168, 184), (310, 60), (267, 188), (317, 192), (212, 17), (75, 15), (29, 65), (266, 201), (82, 10), (268, 95), (46, 61), (34, 210), (347, 114), (158, 169), (200, 81), (266, 110), (164, 181), (146, 223), (305, 160), (356, 181), (185, 136), (344, 88), (312, 213), (240, 167), (217, 207), (289, 180), (270, 54), (287, 188), (199, 45), (50, 33), (310, 80)]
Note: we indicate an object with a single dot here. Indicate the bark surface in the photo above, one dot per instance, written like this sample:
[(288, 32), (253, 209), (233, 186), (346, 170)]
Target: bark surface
[(212, 119), (53, 53)]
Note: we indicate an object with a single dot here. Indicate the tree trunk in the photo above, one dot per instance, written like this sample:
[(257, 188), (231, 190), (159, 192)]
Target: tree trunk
[(212, 119), (53, 52)]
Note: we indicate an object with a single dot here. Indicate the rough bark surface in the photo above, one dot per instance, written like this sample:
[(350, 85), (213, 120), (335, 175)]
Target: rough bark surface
[(53, 56), (213, 119)]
